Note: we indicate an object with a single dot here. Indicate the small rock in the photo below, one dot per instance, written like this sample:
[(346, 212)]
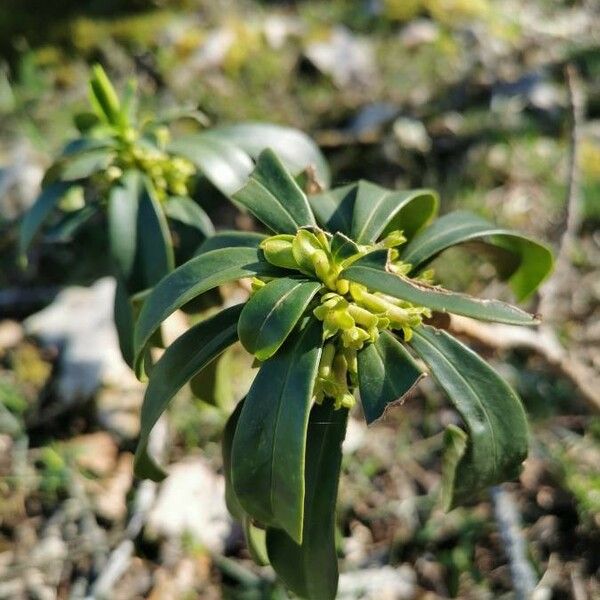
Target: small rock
[(11, 333), (80, 323), (419, 32), (386, 583), (118, 410), (95, 452), (371, 118), (355, 436), (213, 51), (412, 135), (346, 58), (111, 502), (278, 28), (192, 501)]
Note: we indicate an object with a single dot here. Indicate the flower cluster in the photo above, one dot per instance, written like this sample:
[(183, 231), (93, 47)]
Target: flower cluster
[(352, 316), (170, 175)]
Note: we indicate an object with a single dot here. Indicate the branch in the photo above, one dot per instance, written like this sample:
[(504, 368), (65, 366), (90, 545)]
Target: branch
[(557, 284), (542, 341)]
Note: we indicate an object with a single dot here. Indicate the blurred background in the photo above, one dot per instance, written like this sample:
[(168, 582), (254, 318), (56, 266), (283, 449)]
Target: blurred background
[(494, 103)]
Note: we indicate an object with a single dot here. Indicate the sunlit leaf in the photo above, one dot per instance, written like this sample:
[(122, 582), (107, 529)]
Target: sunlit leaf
[(270, 440), (310, 569), (530, 263), (185, 357), (370, 270), (492, 412)]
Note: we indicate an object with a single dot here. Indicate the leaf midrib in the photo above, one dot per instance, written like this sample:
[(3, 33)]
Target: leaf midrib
[(446, 232), (279, 204), (284, 387), (275, 307)]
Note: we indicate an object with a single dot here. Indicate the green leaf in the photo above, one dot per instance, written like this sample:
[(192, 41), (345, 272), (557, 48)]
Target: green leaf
[(186, 211), (195, 277), (310, 569), (256, 540), (386, 373), (85, 121), (85, 144), (103, 97), (155, 245), (370, 270), (272, 313), (233, 504), (492, 412), (223, 164), (231, 239), (37, 214), (183, 359), (124, 321), (274, 198), (531, 261), (342, 247), (296, 150), (70, 224), (270, 441), (378, 211), (455, 446), (85, 164), (123, 203), (333, 208)]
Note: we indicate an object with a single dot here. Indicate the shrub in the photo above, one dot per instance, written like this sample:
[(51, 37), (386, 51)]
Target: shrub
[(342, 302)]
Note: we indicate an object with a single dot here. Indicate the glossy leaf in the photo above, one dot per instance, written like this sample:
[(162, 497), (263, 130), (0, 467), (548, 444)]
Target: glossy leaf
[(233, 504), (155, 245), (183, 359), (256, 541), (123, 204), (274, 198), (492, 412), (386, 373), (455, 446), (272, 313), (70, 224), (342, 247), (195, 277), (377, 210), (231, 239), (223, 164), (310, 569), (85, 144), (186, 211), (296, 150), (85, 164), (270, 440), (531, 261), (124, 321), (39, 212), (370, 270), (104, 98), (333, 208)]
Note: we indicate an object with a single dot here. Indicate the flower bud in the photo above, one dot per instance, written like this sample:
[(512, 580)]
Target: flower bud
[(342, 286), (393, 239), (354, 337), (304, 245), (256, 284), (323, 268), (363, 316), (278, 251), (326, 361)]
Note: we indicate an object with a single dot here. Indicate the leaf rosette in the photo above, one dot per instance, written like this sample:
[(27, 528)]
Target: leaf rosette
[(126, 172), (341, 298)]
